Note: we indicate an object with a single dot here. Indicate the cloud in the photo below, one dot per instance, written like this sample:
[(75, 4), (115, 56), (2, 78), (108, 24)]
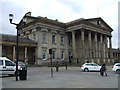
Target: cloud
[(63, 10), (10, 8)]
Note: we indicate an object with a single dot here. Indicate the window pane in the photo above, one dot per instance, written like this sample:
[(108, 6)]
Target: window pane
[(62, 40), (53, 54), (44, 54), (1, 62), (9, 63), (62, 54), (53, 39), (94, 64), (44, 37)]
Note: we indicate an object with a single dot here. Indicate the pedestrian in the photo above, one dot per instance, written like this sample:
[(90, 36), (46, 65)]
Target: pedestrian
[(103, 70), (57, 66), (87, 61), (26, 62), (70, 60), (77, 61)]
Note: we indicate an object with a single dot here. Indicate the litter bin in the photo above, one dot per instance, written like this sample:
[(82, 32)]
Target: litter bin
[(23, 74)]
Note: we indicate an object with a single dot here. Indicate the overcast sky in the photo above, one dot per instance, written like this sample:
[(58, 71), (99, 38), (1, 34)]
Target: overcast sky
[(63, 10)]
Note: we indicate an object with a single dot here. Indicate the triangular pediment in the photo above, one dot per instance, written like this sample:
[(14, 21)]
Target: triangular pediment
[(99, 22)]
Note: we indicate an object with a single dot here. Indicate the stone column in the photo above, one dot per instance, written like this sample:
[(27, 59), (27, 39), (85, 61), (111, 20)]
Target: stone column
[(96, 46), (106, 47), (90, 48), (26, 53), (0, 50), (110, 46), (14, 57), (73, 44), (99, 49), (101, 46), (38, 49), (66, 48), (83, 43), (117, 57)]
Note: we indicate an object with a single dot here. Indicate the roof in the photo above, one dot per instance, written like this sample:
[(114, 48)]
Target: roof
[(13, 38), (32, 20)]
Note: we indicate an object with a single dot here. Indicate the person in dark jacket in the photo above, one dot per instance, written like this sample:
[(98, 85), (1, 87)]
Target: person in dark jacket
[(103, 70)]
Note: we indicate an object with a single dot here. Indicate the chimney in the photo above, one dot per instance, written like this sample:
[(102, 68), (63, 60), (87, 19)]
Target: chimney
[(28, 14)]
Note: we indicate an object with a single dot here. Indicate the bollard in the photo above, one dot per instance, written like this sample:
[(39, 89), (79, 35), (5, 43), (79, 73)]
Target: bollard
[(57, 68)]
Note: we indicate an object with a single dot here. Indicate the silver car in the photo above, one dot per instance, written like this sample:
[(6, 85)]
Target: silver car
[(90, 67)]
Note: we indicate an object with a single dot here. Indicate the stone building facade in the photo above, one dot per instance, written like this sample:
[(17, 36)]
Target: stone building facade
[(116, 55), (26, 48), (82, 39)]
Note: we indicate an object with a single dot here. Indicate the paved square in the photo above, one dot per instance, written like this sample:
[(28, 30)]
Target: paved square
[(40, 77)]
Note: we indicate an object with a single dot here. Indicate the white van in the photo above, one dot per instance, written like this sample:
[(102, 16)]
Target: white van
[(7, 66)]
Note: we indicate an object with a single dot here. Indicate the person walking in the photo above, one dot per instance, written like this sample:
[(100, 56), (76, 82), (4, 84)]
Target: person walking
[(103, 70)]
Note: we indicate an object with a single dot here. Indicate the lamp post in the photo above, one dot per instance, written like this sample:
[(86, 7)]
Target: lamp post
[(50, 52), (17, 52)]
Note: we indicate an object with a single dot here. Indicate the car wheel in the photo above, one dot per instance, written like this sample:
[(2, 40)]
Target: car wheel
[(118, 71), (86, 70)]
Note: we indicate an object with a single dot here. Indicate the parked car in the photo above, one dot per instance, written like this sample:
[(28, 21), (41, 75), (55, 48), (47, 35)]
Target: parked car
[(7, 66), (116, 68), (21, 65), (90, 67)]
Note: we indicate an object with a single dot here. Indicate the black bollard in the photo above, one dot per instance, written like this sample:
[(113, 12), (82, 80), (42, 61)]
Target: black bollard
[(57, 67), (66, 65)]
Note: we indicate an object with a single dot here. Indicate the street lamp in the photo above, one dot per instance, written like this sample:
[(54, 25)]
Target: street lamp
[(17, 52)]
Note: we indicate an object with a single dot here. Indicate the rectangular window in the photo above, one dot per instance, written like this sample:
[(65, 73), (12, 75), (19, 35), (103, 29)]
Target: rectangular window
[(44, 56), (53, 39), (62, 55), (44, 38), (53, 54), (62, 40)]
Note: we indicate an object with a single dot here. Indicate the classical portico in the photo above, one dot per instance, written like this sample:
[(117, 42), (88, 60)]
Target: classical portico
[(91, 43)]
